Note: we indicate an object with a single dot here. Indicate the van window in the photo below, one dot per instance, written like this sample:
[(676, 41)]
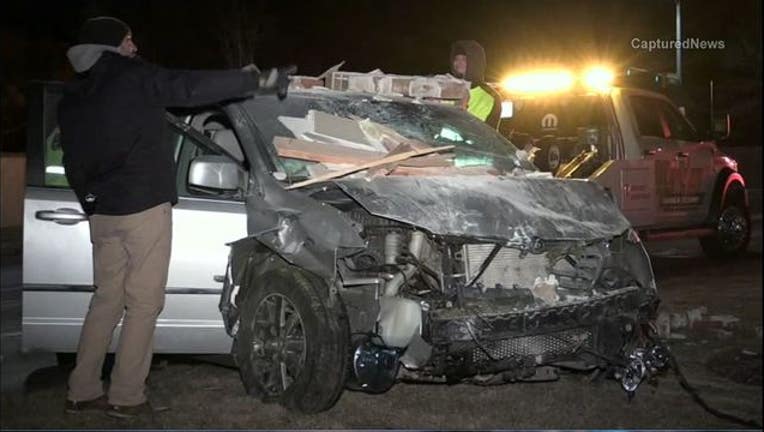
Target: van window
[(54, 167), (55, 175)]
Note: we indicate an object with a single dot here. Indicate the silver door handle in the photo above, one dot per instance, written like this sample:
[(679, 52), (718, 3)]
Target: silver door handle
[(682, 155), (63, 216)]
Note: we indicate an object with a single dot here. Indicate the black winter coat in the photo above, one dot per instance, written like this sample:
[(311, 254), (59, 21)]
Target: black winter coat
[(112, 123)]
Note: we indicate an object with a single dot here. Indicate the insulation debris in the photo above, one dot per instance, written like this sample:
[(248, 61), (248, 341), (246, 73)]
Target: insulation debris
[(546, 289), (441, 88)]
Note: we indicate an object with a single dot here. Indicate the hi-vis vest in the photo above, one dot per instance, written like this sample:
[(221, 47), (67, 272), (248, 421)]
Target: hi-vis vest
[(480, 103)]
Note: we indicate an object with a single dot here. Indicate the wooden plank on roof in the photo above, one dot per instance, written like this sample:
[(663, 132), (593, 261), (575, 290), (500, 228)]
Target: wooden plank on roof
[(323, 152), (368, 165)]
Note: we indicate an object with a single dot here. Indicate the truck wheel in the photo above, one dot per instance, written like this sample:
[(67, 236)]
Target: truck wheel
[(548, 158), (733, 231), (292, 347)]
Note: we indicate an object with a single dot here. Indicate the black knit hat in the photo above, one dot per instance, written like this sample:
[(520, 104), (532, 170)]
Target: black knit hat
[(103, 31)]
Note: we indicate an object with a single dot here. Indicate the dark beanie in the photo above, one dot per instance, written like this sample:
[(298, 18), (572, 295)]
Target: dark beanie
[(103, 31)]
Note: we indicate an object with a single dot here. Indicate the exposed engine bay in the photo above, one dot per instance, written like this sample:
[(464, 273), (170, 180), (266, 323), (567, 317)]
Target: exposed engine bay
[(438, 277), (451, 298), (451, 309)]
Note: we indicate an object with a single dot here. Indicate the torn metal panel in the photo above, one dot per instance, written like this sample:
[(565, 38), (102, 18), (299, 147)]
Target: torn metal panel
[(304, 233), (510, 209), (300, 229)]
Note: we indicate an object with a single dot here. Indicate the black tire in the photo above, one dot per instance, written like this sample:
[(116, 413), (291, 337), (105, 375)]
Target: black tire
[(67, 361), (548, 158), (292, 345), (732, 229)]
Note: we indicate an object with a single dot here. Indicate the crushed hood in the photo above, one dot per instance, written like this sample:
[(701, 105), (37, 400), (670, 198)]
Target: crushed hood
[(508, 209)]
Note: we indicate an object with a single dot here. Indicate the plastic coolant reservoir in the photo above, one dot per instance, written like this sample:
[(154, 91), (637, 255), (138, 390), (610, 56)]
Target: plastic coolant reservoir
[(399, 320)]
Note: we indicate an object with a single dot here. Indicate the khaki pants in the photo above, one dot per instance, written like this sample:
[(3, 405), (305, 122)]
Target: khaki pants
[(131, 256)]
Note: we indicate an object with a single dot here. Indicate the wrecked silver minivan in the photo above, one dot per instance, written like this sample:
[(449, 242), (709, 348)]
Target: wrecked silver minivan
[(399, 239)]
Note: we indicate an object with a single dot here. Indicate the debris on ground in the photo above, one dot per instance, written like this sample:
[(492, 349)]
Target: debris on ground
[(723, 334), (667, 322), (726, 321), (739, 365)]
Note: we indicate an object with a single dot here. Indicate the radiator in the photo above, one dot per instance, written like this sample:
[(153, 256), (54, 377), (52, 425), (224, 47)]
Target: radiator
[(507, 267)]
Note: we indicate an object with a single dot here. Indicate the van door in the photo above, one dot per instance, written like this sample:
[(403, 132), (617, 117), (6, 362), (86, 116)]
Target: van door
[(57, 267)]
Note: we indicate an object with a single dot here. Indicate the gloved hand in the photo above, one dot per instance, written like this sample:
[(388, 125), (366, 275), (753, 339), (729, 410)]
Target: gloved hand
[(275, 81)]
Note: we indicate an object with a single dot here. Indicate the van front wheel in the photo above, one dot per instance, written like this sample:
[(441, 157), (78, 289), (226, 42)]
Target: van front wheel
[(292, 345)]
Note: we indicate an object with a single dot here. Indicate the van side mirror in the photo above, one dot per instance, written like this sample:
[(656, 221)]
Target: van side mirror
[(215, 173), (721, 127)]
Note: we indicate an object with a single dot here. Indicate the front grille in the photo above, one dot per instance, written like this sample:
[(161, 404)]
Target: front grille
[(547, 346), (507, 268)]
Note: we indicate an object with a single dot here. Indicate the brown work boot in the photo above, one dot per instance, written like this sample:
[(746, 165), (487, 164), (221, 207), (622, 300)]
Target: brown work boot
[(132, 411), (93, 405)]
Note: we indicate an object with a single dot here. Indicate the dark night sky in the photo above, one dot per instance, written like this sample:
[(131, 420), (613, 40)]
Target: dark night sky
[(408, 37), (405, 37)]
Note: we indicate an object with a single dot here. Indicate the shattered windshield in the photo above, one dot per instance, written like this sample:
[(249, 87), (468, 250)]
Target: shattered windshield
[(308, 134)]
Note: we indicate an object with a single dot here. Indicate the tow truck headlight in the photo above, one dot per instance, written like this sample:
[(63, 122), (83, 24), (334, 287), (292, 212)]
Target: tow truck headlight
[(598, 78), (595, 78), (540, 82)]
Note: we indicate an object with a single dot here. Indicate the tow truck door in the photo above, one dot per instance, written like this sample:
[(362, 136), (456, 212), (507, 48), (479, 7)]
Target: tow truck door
[(660, 156), (696, 163)]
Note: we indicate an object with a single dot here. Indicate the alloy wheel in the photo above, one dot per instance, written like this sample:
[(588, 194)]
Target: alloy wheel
[(279, 344)]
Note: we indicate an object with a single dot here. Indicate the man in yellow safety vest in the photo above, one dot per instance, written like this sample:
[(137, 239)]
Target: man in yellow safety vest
[(468, 63)]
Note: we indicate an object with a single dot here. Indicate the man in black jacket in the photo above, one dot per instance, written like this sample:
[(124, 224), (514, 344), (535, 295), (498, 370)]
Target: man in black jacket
[(468, 63), (123, 174)]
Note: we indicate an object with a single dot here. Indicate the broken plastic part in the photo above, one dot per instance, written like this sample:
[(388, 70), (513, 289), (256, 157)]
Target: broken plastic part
[(415, 249), (375, 367), (392, 247), (641, 363), (634, 372), (399, 320), (545, 289), (417, 353)]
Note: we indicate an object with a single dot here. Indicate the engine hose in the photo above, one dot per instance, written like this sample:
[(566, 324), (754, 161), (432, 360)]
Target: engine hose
[(700, 401)]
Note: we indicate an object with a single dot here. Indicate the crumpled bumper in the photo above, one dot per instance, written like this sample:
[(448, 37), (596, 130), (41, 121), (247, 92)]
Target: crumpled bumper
[(467, 342)]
